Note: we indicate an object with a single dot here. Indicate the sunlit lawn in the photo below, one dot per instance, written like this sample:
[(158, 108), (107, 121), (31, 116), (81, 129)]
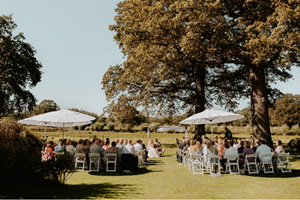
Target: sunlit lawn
[(164, 178)]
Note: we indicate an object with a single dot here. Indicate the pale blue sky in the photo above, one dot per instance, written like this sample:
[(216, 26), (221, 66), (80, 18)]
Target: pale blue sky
[(76, 48)]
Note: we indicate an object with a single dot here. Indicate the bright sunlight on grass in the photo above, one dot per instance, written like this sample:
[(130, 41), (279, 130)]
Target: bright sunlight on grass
[(163, 178)]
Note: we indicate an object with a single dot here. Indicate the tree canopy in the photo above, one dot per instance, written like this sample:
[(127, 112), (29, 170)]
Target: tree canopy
[(286, 110), (19, 70), (187, 54), (44, 107)]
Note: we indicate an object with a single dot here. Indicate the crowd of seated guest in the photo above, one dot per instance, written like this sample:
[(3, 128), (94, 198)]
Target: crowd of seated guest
[(225, 147), (121, 147)]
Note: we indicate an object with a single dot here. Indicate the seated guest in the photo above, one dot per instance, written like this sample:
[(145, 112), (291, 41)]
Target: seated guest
[(70, 148), (220, 148), (224, 160), (80, 148), (113, 149), (129, 148), (241, 147), (198, 147), (230, 151), (246, 151), (87, 145), (187, 144), (211, 150), (58, 148), (192, 147), (279, 149), (235, 145), (182, 145), (120, 146), (138, 146), (145, 149), (106, 144), (262, 149), (125, 142), (49, 150), (257, 143), (159, 147), (96, 148)]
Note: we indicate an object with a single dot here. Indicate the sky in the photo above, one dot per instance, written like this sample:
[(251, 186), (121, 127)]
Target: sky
[(76, 48)]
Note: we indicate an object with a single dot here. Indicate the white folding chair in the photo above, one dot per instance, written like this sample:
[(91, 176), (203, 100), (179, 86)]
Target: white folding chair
[(283, 162), (266, 163), (189, 159), (249, 166), (214, 160), (197, 164), (80, 158), (94, 159), (233, 164), (111, 161)]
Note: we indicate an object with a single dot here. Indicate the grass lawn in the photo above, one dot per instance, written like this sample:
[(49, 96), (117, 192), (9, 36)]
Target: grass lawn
[(164, 178)]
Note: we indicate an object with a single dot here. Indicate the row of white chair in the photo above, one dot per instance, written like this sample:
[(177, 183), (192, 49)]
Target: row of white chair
[(197, 163)]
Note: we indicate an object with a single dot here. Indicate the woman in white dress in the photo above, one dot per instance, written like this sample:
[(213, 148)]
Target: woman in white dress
[(152, 151)]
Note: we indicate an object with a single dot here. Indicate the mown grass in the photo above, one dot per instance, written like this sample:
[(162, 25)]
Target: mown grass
[(162, 178)]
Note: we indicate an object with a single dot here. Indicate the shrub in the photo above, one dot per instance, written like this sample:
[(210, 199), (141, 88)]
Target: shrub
[(128, 127), (110, 126), (284, 129), (98, 126), (171, 131), (207, 128), (87, 128), (248, 128), (20, 151), (144, 127), (191, 129), (296, 129)]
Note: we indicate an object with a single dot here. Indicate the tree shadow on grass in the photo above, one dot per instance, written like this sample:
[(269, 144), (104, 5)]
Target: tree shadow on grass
[(142, 170), (295, 173), (82, 191)]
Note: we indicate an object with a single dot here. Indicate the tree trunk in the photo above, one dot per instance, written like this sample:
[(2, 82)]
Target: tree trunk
[(200, 102), (260, 104)]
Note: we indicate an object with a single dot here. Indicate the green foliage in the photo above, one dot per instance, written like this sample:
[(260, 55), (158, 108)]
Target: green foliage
[(248, 128), (110, 126), (59, 169), (144, 127), (44, 107), (98, 126), (296, 129), (284, 129), (246, 112), (286, 110), (128, 127), (19, 151), (19, 70), (87, 128)]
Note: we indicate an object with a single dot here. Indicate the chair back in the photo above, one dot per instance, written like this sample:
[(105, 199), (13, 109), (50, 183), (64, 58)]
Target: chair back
[(283, 156), (254, 156), (214, 159), (232, 157), (82, 155), (94, 155), (266, 157)]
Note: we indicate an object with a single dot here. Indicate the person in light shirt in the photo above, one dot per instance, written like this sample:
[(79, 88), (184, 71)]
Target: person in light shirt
[(129, 148), (263, 149)]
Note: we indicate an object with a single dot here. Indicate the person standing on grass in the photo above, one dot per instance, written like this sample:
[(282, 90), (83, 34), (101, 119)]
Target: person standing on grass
[(228, 134)]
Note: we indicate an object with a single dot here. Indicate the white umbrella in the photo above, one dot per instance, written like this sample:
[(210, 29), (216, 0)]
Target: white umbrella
[(211, 116), (62, 118)]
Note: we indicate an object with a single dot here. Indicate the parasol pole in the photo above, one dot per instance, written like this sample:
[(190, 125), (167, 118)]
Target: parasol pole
[(69, 132)]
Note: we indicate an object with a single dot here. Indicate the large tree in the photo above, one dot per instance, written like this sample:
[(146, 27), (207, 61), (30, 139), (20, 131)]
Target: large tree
[(173, 61), (266, 35), (19, 70)]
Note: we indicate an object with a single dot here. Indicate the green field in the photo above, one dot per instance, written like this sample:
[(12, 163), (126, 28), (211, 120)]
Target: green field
[(162, 178)]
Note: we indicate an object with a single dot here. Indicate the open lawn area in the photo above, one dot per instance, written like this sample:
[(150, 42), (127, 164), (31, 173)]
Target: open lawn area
[(163, 178)]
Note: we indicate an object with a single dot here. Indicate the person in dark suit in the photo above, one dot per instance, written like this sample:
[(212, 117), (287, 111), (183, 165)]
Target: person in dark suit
[(228, 134), (144, 147)]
